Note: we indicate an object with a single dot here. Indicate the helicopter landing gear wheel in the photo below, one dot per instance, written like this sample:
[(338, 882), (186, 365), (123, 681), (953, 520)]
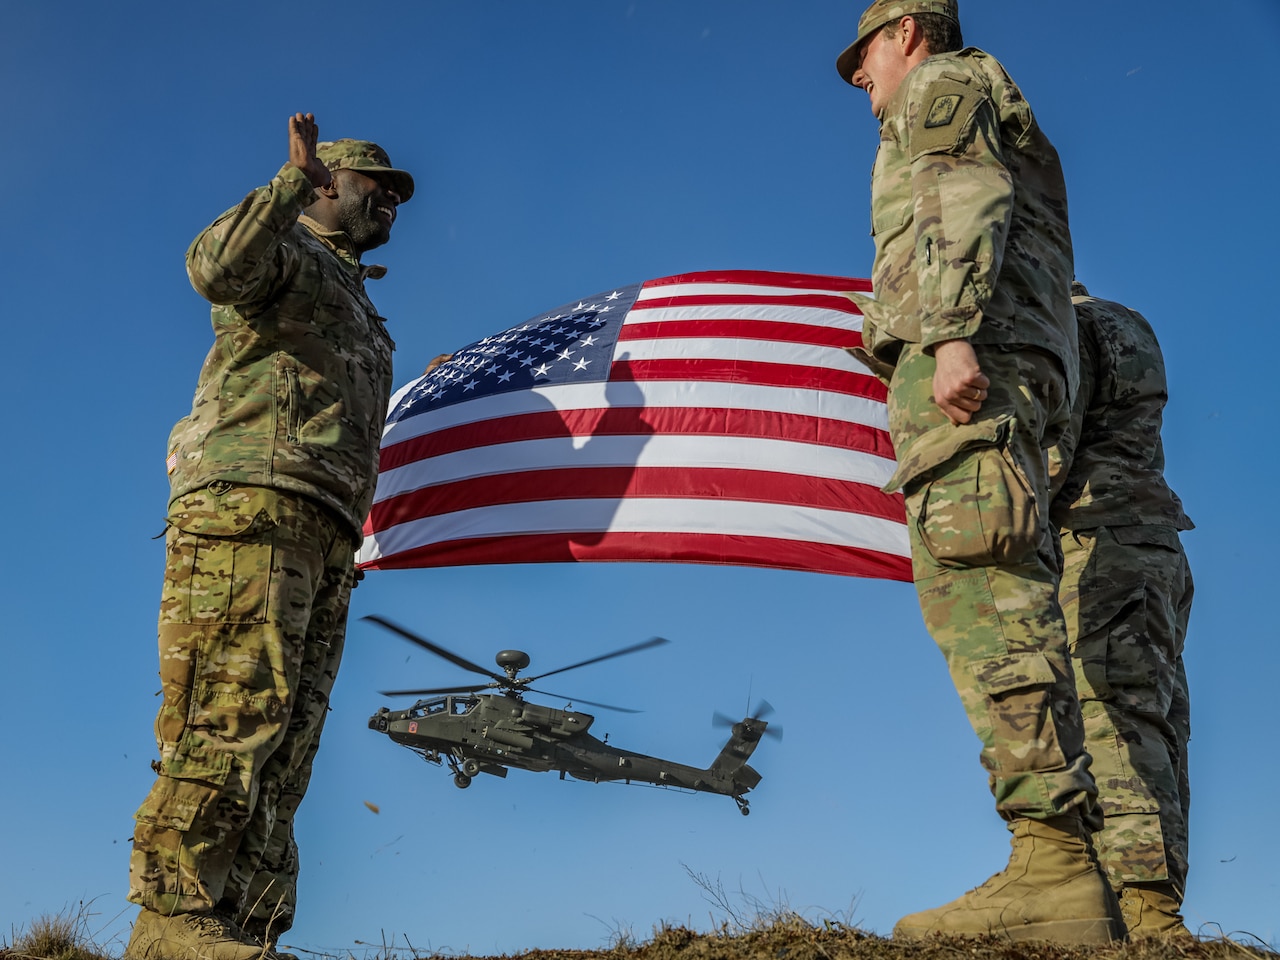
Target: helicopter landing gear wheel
[(461, 781), (744, 807), (470, 768)]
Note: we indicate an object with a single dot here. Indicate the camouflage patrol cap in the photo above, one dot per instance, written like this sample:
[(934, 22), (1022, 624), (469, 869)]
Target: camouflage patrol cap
[(887, 11), (364, 156)]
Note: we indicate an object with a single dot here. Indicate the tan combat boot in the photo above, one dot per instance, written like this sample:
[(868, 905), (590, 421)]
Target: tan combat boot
[(266, 933), (1052, 890), (1153, 910), (190, 936)]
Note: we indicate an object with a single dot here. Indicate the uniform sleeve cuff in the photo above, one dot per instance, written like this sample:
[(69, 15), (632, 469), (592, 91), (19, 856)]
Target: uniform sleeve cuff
[(951, 325), (295, 182)]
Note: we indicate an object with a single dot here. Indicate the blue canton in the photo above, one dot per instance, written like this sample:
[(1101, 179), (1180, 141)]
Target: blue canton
[(571, 344)]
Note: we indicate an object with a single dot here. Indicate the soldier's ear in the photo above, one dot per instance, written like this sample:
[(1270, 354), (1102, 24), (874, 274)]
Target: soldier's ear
[(910, 35), (330, 189)]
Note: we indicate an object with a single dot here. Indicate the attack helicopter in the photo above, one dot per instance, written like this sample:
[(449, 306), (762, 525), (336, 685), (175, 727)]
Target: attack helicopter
[(475, 732)]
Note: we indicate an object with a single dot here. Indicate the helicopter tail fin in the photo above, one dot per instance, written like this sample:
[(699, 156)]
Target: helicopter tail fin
[(731, 763)]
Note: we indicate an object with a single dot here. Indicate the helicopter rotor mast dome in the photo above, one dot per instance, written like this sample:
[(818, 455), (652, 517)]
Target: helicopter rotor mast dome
[(512, 661)]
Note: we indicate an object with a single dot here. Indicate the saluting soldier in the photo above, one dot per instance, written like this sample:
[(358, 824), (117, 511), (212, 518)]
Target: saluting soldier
[(972, 329), (271, 476)]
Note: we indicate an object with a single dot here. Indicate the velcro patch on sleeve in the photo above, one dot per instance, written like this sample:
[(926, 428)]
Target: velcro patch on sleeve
[(941, 122)]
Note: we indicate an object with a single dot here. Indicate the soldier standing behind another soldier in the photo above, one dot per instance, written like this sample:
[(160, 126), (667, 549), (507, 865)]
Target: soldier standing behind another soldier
[(1126, 592), (271, 476), (972, 329)]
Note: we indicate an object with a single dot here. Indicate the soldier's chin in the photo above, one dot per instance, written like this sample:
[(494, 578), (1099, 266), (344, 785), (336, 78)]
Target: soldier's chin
[(375, 235)]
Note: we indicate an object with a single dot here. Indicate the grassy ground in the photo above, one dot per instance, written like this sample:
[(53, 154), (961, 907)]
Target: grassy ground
[(779, 935)]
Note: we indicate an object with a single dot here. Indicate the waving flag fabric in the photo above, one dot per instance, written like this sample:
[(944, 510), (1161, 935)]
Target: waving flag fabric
[(704, 418)]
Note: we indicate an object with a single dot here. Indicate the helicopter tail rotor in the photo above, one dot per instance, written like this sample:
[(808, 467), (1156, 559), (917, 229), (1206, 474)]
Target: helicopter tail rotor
[(753, 726)]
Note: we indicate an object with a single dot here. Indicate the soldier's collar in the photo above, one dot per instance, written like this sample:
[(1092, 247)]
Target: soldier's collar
[(340, 244)]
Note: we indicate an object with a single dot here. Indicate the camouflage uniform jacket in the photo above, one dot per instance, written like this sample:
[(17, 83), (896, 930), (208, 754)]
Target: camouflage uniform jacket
[(969, 215), (1115, 475), (294, 392)]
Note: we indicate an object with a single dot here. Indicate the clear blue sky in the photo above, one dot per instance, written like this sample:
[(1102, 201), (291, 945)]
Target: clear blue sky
[(562, 148)]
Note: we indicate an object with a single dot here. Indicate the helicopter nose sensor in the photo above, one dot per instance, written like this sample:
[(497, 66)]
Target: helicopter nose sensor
[(517, 659)]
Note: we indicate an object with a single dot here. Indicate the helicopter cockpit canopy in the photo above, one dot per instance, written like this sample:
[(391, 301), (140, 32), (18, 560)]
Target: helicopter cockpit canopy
[(453, 706)]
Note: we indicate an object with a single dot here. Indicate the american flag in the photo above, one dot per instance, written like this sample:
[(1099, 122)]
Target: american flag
[(704, 418)]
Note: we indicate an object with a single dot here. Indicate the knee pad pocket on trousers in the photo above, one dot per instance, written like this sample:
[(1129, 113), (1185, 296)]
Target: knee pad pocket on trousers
[(979, 510)]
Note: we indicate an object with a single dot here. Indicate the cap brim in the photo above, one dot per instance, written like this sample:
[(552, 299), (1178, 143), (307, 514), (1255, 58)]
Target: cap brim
[(847, 62), (401, 180)]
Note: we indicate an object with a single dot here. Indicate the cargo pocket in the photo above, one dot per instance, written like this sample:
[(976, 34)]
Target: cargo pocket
[(1022, 734), (1131, 848), (979, 510), (997, 676), (189, 781), (220, 552), (1104, 610)]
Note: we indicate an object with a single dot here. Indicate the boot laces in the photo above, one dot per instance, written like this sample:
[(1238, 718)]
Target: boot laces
[(991, 880), (209, 924)]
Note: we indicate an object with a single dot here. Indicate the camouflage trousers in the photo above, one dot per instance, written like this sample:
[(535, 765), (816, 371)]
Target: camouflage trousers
[(1126, 592), (984, 560), (252, 625)]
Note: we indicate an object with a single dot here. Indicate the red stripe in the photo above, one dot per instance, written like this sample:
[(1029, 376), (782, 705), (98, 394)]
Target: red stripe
[(625, 421), (771, 330), (670, 547), (589, 483), (826, 301), (764, 278), (755, 372)]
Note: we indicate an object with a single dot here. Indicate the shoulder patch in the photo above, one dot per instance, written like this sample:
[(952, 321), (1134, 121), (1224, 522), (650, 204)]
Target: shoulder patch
[(939, 117), (943, 110)]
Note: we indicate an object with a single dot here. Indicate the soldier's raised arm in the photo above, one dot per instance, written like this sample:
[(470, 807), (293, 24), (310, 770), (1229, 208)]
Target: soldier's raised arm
[(240, 257)]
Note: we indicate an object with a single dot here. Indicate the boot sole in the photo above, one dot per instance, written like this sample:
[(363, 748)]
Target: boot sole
[(1099, 931)]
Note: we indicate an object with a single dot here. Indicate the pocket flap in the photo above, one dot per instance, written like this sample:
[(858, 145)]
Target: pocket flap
[(1147, 535), (235, 512), (935, 447), (1016, 671)]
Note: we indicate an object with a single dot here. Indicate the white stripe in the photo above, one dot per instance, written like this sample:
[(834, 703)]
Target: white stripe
[(681, 452), (651, 393), (395, 397), (810, 316), (732, 289), (733, 348), (644, 515)]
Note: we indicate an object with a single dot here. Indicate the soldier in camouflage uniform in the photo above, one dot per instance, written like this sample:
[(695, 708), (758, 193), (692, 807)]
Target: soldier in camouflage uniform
[(972, 329), (1126, 592), (271, 476)]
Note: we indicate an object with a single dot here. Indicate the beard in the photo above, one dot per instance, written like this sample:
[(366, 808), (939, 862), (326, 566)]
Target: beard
[(361, 222)]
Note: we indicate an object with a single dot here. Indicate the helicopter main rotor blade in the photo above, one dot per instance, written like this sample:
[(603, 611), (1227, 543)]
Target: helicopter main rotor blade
[(474, 688), (603, 706), (634, 648), (438, 650)]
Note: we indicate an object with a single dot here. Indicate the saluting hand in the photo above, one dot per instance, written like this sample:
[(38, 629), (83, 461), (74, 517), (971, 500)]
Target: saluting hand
[(303, 135), (959, 385)]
